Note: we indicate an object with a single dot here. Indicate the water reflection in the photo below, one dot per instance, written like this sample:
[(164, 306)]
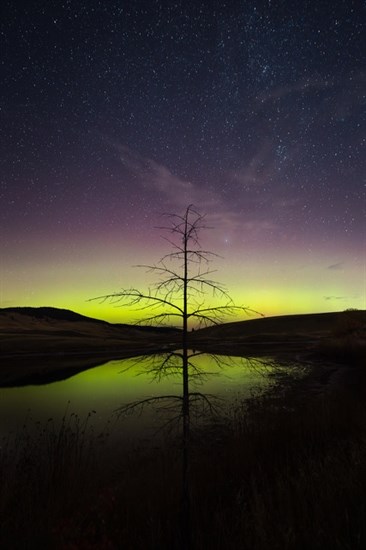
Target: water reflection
[(110, 385)]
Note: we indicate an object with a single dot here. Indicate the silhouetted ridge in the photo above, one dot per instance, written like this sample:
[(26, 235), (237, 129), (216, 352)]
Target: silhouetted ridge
[(287, 324), (60, 314), (52, 313)]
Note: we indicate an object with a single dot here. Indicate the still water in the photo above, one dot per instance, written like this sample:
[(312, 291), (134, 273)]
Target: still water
[(103, 389)]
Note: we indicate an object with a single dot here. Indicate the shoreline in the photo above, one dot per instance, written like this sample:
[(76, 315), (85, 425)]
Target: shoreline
[(42, 367)]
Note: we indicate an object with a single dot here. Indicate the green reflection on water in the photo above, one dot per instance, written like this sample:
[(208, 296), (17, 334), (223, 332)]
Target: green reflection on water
[(110, 385)]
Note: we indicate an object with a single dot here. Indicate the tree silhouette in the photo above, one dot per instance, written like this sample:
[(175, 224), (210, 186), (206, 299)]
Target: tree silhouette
[(181, 293)]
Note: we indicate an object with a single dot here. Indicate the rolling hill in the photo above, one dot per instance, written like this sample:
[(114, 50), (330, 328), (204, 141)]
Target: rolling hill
[(307, 323), (39, 345), (27, 330)]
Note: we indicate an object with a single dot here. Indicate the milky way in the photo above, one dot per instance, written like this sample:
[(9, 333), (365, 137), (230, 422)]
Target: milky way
[(113, 113)]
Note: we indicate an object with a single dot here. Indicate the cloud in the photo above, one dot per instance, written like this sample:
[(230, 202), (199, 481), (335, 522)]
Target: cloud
[(152, 175), (347, 94), (233, 223), (334, 297), (303, 85), (177, 192), (286, 203), (336, 267), (258, 170)]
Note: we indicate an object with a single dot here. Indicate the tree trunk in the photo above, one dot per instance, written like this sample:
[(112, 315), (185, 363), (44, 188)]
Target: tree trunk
[(185, 525)]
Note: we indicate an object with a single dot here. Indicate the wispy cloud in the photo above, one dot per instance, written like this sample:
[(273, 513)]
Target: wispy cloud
[(151, 173), (286, 203), (335, 297), (176, 192), (347, 94), (258, 170), (303, 85), (336, 267), (232, 223)]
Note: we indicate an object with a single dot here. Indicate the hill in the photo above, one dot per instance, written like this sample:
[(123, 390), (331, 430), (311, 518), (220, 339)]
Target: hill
[(28, 329), (286, 333), (12, 317), (40, 344), (307, 323), (47, 329)]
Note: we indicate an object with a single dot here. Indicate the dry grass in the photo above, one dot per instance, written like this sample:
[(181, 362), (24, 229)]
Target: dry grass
[(272, 476), (348, 349)]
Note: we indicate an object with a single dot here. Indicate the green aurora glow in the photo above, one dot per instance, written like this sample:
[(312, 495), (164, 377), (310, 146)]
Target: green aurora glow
[(274, 283)]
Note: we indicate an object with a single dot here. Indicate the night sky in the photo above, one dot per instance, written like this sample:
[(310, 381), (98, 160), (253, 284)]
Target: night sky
[(113, 113)]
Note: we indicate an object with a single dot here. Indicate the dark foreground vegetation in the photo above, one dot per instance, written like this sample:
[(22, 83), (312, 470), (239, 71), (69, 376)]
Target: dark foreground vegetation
[(283, 472)]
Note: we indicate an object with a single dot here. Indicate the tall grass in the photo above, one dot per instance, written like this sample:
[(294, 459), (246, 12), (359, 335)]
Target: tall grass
[(45, 471), (347, 349), (346, 342), (277, 474)]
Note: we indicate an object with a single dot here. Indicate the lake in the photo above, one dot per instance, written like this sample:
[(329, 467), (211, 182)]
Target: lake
[(103, 389)]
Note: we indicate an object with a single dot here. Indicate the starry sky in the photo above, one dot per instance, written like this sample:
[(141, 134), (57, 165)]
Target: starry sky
[(113, 113)]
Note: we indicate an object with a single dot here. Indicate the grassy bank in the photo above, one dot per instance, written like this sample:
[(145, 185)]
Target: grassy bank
[(277, 474)]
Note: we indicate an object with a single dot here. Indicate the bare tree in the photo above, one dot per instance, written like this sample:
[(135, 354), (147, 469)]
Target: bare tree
[(181, 293)]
